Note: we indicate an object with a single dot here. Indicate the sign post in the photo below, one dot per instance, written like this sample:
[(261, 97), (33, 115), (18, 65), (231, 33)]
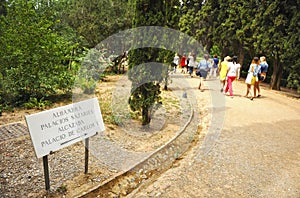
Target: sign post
[(86, 158), (46, 172), (57, 128)]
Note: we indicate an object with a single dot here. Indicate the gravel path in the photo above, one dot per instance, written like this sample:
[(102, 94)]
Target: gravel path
[(113, 155), (256, 152)]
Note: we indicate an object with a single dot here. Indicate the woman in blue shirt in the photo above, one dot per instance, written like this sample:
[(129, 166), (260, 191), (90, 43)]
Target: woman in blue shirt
[(203, 68), (261, 73)]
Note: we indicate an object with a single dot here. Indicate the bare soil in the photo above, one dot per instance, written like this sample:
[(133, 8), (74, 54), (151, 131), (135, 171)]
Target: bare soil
[(22, 173)]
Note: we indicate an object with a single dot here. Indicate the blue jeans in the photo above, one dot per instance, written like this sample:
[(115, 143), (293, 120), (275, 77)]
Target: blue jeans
[(191, 69)]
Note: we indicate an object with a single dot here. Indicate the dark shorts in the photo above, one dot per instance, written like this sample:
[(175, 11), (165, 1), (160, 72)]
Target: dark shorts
[(203, 73)]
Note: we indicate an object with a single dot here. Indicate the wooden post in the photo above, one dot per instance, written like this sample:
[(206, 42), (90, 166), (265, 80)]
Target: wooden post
[(86, 158), (46, 172)]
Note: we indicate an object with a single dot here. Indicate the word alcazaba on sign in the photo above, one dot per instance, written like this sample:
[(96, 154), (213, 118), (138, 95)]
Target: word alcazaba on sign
[(54, 129)]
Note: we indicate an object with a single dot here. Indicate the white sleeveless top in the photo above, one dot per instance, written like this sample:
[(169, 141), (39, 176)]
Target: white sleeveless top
[(233, 68)]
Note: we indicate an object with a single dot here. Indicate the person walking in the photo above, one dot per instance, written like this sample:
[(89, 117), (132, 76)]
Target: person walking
[(192, 63), (202, 70), (262, 74), (223, 69), (214, 68), (183, 63), (175, 62), (252, 76), (232, 74)]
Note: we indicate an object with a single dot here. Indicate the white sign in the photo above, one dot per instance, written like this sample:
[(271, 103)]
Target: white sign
[(54, 129)]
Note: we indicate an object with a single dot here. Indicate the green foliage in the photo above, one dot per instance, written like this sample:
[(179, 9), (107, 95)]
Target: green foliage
[(38, 60), (87, 85), (37, 103), (3, 5), (294, 78), (146, 80), (189, 21), (98, 19), (249, 28), (214, 50), (43, 44), (62, 189)]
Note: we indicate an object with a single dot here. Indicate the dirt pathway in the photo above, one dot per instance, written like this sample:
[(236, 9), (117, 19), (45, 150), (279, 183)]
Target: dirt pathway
[(256, 153)]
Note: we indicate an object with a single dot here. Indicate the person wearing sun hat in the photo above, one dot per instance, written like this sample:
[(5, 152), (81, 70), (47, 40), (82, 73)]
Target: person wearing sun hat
[(232, 74), (223, 68)]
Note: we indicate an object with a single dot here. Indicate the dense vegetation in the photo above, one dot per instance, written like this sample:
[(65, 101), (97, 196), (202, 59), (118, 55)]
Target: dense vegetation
[(250, 28), (145, 78), (43, 42)]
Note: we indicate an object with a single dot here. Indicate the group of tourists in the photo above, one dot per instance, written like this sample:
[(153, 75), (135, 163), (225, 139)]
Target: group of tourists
[(256, 74), (228, 70)]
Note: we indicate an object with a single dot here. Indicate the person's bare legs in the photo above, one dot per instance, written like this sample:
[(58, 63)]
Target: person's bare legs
[(201, 84), (223, 85), (258, 89), (249, 91), (255, 88)]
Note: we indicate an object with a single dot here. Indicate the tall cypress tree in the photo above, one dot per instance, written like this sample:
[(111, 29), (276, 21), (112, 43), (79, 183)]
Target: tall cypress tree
[(145, 80), (276, 36)]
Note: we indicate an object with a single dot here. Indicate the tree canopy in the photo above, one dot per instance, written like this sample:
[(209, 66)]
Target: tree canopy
[(43, 41), (251, 28)]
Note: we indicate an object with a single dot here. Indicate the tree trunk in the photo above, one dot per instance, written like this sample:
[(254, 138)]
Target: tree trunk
[(224, 52), (241, 57), (145, 116), (277, 74), (208, 46), (166, 81)]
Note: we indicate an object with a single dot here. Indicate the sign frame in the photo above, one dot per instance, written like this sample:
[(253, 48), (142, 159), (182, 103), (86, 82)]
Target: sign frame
[(54, 129), (83, 117)]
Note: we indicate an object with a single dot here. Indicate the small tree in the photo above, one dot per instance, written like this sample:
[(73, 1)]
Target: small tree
[(145, 89)]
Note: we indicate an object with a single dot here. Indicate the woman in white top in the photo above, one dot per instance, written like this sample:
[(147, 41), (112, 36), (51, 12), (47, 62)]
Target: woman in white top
[(252, 75), (175, 62), (232, 74), (192, 63)]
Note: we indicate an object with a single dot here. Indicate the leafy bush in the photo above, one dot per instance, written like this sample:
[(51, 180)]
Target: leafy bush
[(37, 103), (38, 60), (88, 86)]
